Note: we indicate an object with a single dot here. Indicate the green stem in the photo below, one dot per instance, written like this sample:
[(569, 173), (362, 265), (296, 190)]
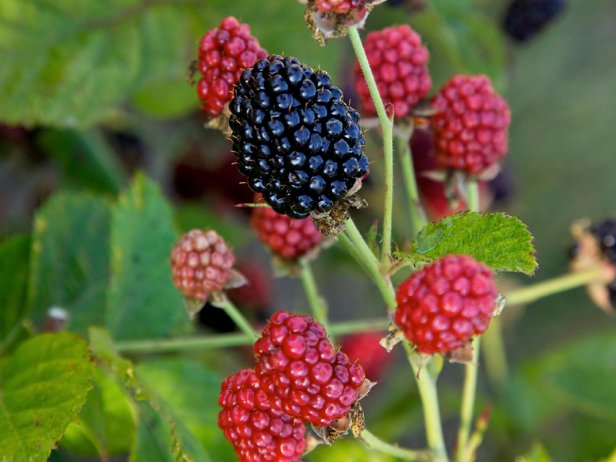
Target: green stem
[(238, 318), (406, 161), (429, 399), (370, 263), (553, 286), (316, 302), (375, 442), (234, 340), (470, 371), (468, 401), (388, 142)]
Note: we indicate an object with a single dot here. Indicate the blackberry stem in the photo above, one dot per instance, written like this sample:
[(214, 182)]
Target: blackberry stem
[(238, 318), (370, 263), (495, 355), (235, 339), (470, 370), (318, 306), (428, 393), (374, 442), (387, 127), (418, 218)]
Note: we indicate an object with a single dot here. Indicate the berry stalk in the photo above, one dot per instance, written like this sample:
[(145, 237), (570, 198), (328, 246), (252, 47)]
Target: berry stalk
[(374, 442), (388, 144), (553, 286), (418, 219), (428, 393), (470, 370), (318, 306), (493, 349), (370, 263), (238, 318), (235, 339)]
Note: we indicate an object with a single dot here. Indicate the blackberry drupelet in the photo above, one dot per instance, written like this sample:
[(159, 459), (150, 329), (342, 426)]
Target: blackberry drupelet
[(526, 18), (300, 145)]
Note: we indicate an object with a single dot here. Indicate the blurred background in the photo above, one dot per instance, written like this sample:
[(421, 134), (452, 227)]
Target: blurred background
[(93, 92)]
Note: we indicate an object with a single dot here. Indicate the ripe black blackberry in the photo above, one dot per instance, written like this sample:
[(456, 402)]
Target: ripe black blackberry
[(297, 141), (605, 232), (526, 18)]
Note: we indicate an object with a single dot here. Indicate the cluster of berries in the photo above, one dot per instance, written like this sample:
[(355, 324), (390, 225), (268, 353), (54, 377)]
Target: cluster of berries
[(299, 378)]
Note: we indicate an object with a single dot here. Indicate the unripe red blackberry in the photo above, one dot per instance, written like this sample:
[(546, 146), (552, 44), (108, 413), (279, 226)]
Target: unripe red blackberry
[(443, 305), (303, 374), (223, 53), (286, 237), (297, 141), (398, 61), (201, 264), (365, 348), (257, 433), (471, 124)]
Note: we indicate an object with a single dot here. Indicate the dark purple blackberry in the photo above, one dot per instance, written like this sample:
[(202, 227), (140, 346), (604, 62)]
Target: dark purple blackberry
[(526, 18), (605, 232), (297, 141)]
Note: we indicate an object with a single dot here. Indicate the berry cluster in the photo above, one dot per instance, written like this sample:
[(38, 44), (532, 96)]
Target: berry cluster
[(338, 6), (288, 238), (471, 124), (305, 376), (201, 263), (299, 378), (297, 141), (398, 60), (442, 306), (223, 53)]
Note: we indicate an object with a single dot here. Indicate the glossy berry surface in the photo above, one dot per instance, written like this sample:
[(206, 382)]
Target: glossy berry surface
[(364, 348), (338, 6), (399, 61), (605, 232), (303, 374), (201, 264), (223, 53), (443, 305), (286, 237), (297, 141), (471, 124), (257, 433), (526, 18)]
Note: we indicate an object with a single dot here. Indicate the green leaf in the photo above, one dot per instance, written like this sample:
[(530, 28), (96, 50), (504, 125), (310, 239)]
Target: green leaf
[(580, 375), (85, 158), (15, 254), (500, 241), (153, 442), (192, 413), (536, 454), (93, 56), (108, 417), (70, 259), (143, 303), (43, 385)]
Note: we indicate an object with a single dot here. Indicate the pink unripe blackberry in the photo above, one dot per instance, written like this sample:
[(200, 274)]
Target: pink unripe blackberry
[(201, 263), (257, 433), (471, 124), (288, 238), (442, 306), (339, 6), (305, 377), (398, 61), (224, 52)]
